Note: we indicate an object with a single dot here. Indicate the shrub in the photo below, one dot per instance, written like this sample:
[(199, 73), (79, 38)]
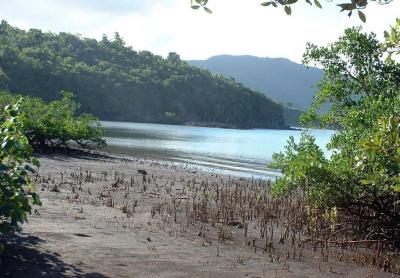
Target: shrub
[(362, 174), (57, 123), (16, 189)]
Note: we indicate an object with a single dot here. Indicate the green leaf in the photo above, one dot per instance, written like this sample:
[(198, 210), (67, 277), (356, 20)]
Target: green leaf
[(266, 4), (362, 3), (288, 10), (361, 15), (347, 7), (290, 2), (316, 2), (386, 34), (207, 10)]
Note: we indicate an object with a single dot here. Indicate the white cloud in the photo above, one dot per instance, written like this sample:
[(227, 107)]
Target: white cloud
[(235, 27)]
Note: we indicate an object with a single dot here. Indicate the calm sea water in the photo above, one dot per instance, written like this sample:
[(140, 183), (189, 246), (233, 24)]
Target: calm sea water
[(228, 151)]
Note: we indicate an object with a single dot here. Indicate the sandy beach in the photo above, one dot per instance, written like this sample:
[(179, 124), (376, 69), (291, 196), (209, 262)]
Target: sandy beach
[(107, 216)]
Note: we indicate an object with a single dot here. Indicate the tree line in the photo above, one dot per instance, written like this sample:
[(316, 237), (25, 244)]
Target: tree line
[(115, 82)]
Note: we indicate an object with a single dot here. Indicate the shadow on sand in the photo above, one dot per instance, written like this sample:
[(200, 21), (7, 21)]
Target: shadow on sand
[(22, 259)]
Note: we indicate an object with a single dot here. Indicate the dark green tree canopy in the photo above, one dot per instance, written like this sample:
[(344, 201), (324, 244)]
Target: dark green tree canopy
[(114, 82)]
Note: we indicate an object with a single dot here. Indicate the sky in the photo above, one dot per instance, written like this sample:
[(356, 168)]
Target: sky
[(237, 27)]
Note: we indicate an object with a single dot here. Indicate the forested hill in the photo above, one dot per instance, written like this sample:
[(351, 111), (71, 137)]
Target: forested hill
[(114, 82), (281, 79)]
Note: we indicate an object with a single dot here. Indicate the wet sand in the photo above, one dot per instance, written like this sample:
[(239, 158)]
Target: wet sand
[(98, 219)]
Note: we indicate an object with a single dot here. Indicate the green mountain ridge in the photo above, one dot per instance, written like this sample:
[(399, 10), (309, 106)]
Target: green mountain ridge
[(280, 79), (114, 82)]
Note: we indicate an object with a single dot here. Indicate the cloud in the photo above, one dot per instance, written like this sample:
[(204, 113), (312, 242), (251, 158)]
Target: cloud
[(113, 6), (235, 27)]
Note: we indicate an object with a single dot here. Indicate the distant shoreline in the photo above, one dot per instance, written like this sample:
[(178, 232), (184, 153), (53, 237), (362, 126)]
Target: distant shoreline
[(235, 126), (211, 125)]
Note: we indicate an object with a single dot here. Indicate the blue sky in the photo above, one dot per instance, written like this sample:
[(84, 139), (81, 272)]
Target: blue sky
[(236, 26)]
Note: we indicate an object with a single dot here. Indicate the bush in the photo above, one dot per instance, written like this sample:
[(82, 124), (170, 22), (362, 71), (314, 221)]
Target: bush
[(56, 123), (303, 166), (16, 189), (362, 175)]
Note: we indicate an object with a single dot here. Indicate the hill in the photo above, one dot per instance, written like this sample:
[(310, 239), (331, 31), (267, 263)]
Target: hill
[(114, 82), (280, 79)]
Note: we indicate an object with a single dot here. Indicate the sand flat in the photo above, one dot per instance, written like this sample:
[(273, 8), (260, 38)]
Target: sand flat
[(83, 230)]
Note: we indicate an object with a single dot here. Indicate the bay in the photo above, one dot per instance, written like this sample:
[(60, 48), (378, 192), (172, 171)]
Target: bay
[(227, 151)]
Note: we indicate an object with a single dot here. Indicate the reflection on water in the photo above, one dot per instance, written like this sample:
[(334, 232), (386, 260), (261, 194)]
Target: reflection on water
[(231, 151)]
